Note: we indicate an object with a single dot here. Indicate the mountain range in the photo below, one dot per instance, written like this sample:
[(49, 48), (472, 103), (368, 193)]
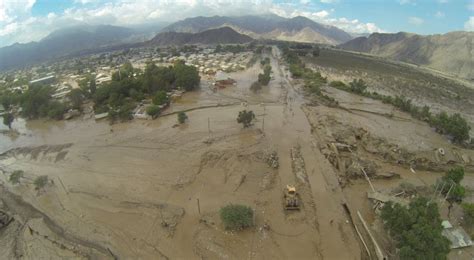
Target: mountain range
[(63, 42), (451, 52), (300, 29)]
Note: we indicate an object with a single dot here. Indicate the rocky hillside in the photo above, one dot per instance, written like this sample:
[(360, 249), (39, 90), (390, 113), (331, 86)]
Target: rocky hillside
[(223, 35), (451, 52), (269, 26)]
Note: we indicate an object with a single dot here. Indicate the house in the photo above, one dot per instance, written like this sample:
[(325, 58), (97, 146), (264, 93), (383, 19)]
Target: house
[(223, 80), (458, 237), (45, 80)]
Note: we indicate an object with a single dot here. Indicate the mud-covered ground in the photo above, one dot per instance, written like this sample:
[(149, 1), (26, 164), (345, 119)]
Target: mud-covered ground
[(151, 189), (423, 86), (131, 190)]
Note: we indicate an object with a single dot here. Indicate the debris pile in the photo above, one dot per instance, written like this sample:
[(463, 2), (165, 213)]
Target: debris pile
[(5, 219), (272, 160)]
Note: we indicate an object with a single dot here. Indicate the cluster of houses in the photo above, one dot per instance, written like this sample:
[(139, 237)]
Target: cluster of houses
[(102, 66)]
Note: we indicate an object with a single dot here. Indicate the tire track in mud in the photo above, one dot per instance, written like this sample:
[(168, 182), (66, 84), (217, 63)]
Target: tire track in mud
[(18, 206), (306, 193)]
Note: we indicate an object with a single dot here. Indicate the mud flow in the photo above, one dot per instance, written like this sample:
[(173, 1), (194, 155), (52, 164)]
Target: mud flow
[(152, 189)]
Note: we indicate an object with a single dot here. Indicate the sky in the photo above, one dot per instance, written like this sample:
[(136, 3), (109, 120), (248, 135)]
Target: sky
[(30, 20)]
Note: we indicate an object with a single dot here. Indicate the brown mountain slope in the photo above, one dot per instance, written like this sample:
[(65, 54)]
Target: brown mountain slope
[(451, 52), (223, 35)]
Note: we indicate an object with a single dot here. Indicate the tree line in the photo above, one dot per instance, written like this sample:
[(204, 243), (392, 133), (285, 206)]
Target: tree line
[(453, 125), (263, 78)]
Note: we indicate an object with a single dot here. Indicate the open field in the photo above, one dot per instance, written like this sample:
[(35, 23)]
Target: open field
[(386, 77), (149, 189)]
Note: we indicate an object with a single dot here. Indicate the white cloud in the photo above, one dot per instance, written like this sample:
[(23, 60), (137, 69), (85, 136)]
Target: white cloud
[(329, 1), (439, 14), (11, 9), (469, 24), (322, 14), (415, 20), (16, 25), (9, 28)]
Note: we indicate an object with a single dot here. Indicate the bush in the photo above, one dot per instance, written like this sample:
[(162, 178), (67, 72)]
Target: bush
[(245, 117), (339, 85), (153, 111), (236, 217), (455, 174), (40, 182), (296, 70), (453, 177), (160, 98), (358, 86), (182, 117), (16, 176)]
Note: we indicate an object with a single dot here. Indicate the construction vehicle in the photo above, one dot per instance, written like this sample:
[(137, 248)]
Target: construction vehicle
[(291, 199)]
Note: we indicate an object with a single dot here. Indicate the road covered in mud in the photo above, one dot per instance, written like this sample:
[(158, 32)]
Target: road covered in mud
[(130, 190)]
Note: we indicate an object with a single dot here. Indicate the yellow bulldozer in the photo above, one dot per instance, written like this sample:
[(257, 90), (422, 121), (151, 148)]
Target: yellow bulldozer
[(291, 199)]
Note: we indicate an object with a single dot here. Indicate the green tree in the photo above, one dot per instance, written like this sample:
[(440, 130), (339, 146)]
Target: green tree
[(236, 217), (15, 176), (76, 97), (264, 78), (245, 118), (153, 111), (468, 210), (453, 179), (8, 119), (416, 229), (92, 86), (122, 112), (40, 182), (56, 110), (182, 117), (458, 128), (35, 101), (160, 98), (187, 77), (455, 174), (157, 78)]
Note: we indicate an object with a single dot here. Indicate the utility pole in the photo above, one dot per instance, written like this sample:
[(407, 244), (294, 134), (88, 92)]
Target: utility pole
[(263, 119), (209, 127), (368, 180), (199, 206)]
